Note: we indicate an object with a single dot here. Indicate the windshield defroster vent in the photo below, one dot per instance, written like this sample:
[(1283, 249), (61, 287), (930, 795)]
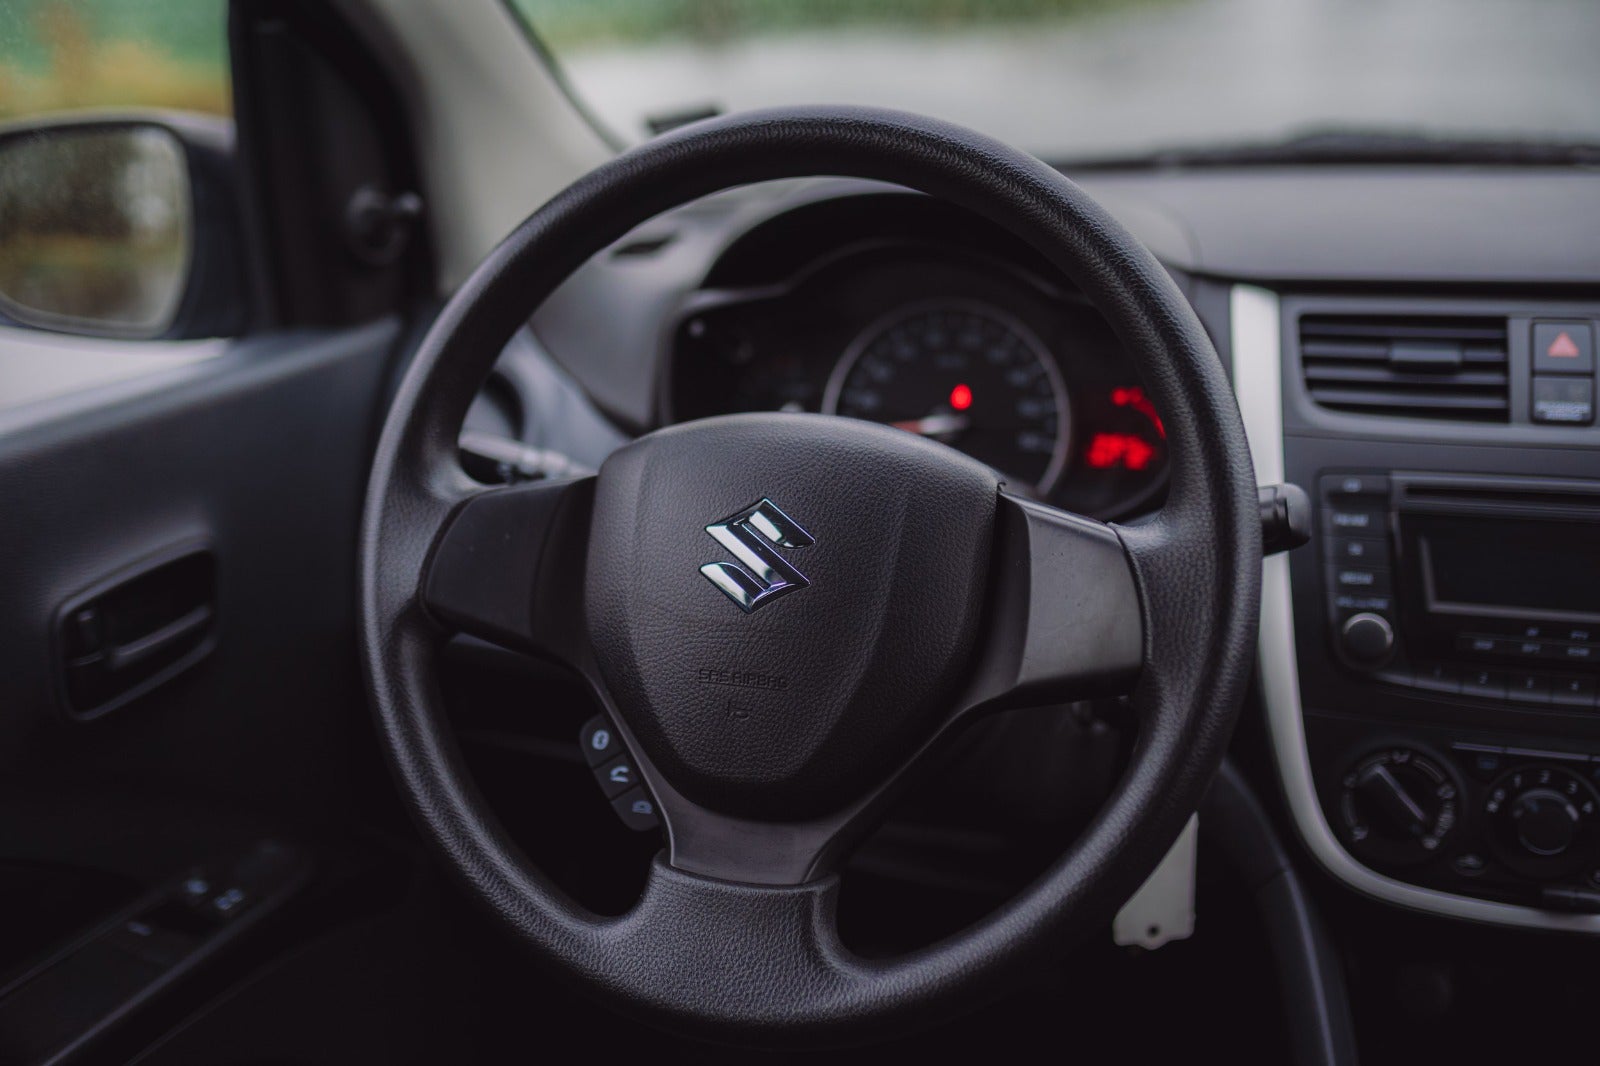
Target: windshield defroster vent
[(1445, 367)]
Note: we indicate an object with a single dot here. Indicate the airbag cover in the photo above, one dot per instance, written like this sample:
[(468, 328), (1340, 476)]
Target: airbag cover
[(789, 708)]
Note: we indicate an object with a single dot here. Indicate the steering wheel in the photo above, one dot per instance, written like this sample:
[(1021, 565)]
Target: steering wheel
[(783, 613)]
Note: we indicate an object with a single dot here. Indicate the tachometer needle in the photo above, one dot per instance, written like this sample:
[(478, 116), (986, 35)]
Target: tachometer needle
[(934, 425)]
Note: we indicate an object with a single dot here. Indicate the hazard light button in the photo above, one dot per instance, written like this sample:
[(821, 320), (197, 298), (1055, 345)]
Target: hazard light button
[(1563, 348)]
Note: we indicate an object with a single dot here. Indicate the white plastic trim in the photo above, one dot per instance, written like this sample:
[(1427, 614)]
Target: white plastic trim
[(496, 133), (1163, 908)]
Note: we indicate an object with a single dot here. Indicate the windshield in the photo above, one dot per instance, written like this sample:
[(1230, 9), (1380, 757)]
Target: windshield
[(1084, 79)]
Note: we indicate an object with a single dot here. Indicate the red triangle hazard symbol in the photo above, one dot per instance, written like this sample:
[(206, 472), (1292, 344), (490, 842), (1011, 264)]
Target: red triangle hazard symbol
[(1563, 347)]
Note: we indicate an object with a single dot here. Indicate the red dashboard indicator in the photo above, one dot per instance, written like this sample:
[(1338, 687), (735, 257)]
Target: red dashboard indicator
[(1109, 450), (1133, 396), (960, 398), (1563, 347)]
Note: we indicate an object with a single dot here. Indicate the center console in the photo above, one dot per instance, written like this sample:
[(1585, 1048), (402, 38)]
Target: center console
[(1430, 662)]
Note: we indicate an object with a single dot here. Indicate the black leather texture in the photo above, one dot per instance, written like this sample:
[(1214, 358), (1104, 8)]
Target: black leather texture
[(764, 964), (794, 709)]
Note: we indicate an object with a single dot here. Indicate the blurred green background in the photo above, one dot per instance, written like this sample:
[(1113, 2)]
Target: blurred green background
[(70, 54), (579, 23)]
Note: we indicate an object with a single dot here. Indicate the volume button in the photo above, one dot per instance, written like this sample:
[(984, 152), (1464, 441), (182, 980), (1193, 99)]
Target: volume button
[(1367, 637)]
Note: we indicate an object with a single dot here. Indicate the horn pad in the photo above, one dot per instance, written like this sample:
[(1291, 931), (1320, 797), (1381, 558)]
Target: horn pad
[(784, 605)]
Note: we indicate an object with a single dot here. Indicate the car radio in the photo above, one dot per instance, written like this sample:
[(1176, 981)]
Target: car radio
[(1486, 587)]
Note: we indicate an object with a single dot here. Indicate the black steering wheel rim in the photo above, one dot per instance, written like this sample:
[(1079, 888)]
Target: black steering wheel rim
[(762, 962)]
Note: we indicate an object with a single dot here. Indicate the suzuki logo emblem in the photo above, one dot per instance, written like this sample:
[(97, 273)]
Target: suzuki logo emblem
[(761, 575)]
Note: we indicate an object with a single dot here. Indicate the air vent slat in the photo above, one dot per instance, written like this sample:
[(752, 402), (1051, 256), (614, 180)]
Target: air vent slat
[(1407, 366), (1319, 349), (1431, 401), (1382, 375), (1401, 329)]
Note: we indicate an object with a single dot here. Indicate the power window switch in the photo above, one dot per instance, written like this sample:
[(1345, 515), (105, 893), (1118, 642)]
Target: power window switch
[(154, 944), (228, 902)]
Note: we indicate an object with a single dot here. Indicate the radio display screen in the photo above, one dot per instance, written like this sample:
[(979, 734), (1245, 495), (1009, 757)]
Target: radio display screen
[(1515, 568)]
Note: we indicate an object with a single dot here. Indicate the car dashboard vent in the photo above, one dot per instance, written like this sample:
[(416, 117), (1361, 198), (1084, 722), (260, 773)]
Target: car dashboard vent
[(1415, 367)]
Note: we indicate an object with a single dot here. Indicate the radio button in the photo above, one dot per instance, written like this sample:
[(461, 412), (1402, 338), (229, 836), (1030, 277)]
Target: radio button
[(1572, 653), (1355, 485), (1437, 677), (1348, 602), (1360, 580), (1358, 523), (1478, 644), (1573, 692), (1529, 688), (1488, 684), (1361, 551)]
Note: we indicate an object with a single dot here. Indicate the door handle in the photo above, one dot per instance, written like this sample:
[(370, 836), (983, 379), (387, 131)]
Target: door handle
[(136, 630), (174, 633)]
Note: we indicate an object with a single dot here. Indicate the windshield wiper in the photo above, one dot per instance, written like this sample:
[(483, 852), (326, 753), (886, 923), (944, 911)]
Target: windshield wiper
[(1358, 146)]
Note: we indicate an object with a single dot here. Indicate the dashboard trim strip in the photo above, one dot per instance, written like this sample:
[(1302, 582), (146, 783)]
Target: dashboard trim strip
[(1257, 373)]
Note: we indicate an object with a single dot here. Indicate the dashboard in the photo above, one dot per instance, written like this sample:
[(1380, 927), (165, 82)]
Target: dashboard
[(965, 342), (1430, 661), (1413, 346)]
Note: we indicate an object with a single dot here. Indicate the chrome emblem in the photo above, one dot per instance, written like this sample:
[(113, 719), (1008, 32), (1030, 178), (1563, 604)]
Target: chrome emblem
[(761, 575)]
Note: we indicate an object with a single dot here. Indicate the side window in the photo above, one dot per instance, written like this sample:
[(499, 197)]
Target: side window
[(72, 55), (103, 106)]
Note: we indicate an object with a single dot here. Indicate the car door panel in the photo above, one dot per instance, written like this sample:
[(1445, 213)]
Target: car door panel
[(258, 453)]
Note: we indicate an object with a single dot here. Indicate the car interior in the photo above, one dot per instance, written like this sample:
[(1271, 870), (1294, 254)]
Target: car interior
[(723, 527)]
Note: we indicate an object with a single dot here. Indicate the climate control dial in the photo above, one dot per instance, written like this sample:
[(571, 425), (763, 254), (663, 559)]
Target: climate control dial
[(1542, 819), (1398, 805)]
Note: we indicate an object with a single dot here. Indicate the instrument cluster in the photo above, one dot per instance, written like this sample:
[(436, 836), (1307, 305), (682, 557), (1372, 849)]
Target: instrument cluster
[(966, 350)]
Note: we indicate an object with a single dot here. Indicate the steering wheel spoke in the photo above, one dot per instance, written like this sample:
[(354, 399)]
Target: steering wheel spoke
[(1067, 622), (748, 851), (692, 936), (507, 566)]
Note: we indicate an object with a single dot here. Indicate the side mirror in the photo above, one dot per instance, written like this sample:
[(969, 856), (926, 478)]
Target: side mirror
[(111, 227)]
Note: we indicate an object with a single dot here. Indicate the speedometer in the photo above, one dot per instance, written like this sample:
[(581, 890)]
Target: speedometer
[(965, 374)]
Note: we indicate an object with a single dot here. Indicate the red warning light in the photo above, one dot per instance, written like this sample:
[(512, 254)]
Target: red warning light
[(1563, 347), (1133, 396), (1109, 450), (960, 398)]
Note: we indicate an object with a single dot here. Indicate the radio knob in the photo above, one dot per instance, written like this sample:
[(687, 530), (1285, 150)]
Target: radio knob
[(1367, 637), (1546, 821)]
